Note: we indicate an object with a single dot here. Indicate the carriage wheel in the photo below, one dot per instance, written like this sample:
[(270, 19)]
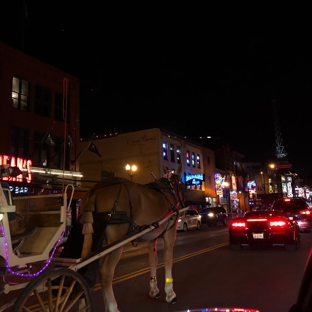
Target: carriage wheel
[(57, 289)]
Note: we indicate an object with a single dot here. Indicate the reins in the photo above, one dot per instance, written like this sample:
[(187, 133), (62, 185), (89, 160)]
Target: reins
[(169, 187)]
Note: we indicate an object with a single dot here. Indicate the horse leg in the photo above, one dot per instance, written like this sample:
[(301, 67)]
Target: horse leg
[(106, 272), (169, 240), (153, 262)]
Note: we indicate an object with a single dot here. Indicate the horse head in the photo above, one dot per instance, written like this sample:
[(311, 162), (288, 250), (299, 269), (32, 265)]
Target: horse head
[(177, 184)]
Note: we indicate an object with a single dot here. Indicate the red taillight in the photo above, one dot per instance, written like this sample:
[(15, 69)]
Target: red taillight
[(287, 199), (277, 223), (238, 224), (305, 212), (257, 220)]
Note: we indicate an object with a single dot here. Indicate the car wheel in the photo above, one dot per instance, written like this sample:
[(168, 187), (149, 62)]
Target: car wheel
[(185, 228), (198, 225)]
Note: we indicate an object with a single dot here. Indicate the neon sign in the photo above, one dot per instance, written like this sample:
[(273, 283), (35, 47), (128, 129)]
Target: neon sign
[(218, 181), (198, 176), (21, 163), (251, 185)]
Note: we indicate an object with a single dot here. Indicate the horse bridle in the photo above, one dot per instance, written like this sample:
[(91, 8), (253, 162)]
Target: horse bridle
[(179, 190)]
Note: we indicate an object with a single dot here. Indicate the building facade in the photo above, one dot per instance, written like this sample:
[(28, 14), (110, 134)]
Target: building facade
[(39, 129), (151, 151)]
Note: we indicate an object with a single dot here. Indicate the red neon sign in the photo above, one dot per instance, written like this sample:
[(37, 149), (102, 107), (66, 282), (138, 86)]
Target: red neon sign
[(21, 163)]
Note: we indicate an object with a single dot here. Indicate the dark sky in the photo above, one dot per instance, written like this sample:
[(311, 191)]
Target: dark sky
[(195, 70)]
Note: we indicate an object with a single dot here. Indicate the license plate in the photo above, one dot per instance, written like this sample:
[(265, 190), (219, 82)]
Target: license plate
[(257, 235)]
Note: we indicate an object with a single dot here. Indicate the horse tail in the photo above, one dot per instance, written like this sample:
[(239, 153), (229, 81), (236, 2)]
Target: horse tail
[(88, 205)]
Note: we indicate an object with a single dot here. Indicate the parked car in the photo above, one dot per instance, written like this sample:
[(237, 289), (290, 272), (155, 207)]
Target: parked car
[(264, 227), (296, 208), (189, 219), (213, 216)]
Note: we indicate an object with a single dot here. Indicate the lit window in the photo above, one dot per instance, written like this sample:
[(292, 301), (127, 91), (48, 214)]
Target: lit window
[(178, 155), (165, 150), (193, 159), (198, 161), (188, 160), (20, 92), (172, 152)]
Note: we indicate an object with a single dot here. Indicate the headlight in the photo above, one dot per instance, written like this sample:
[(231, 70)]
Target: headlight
[(210, 215)]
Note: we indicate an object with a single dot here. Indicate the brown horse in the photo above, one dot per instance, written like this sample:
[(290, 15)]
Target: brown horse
[(120, 206)]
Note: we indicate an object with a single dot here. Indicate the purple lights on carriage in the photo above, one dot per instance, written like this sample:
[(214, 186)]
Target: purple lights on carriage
[(26, 274)]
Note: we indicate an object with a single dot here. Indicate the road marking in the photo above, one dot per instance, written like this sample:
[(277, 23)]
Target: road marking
[(146, 270)]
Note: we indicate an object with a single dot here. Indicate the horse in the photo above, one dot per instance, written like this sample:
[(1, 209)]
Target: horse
[(119, 207)]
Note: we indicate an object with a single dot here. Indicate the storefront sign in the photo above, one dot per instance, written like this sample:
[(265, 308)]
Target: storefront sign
[(219, 180), (23, 164), (199, 177)]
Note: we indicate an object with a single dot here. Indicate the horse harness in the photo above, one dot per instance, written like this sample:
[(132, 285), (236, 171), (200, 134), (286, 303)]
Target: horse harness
[(163, 185)]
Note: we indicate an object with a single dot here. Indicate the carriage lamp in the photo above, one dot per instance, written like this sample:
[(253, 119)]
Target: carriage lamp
[(131, 170)]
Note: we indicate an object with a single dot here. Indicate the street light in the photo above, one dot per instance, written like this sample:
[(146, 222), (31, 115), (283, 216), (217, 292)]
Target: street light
[(262, 181), (131, 170)]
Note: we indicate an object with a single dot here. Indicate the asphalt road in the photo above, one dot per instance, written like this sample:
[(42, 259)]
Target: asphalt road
[(208, 274)]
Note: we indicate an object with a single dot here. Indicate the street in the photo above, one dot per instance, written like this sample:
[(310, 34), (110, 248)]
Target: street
[(208, 274)]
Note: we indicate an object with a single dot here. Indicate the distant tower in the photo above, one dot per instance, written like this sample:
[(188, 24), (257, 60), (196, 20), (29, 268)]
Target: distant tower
[(280, 151)]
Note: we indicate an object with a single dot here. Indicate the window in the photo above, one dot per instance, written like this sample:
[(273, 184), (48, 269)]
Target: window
[(43, 101), (43, 144), (57, 159), (188, 160), (20, 94), (193, 159), (58, 112), (165, 150), (178, 155), (208, 160), (198, 161), (172, 152), (19, 143)]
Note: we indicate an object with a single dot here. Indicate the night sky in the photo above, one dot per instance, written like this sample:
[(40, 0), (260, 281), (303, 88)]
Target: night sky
[(194, 70)]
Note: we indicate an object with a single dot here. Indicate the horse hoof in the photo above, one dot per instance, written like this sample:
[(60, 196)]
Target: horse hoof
[(174, 300), (157, 296)]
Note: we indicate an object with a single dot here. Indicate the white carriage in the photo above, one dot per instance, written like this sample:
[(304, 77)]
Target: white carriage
[(34, 278)]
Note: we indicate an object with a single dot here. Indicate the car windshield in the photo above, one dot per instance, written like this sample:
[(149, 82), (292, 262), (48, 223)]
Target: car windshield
[(291, 205), (263, 213)]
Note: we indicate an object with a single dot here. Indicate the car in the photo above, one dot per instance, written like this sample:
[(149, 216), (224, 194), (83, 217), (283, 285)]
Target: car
[(297, 208), (213, 216), (189, 219), (264, 227)]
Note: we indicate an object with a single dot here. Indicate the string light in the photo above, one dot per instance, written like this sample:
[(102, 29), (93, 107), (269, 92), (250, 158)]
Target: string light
[(27, 274)]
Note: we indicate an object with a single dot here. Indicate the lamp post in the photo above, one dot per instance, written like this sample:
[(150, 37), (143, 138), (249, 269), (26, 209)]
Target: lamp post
[(262, 181), (226, 185), (131, 170)]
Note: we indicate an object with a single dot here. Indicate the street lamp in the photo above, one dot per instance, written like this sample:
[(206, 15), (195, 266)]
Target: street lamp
[(262, 181), (131, 170)]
